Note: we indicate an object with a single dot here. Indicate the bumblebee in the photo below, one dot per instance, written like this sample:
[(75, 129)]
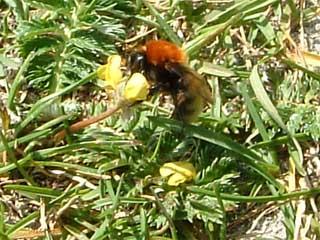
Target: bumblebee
[(165, 65)]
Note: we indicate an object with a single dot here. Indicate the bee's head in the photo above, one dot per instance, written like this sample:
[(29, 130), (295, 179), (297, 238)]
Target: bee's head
[(136, 62)]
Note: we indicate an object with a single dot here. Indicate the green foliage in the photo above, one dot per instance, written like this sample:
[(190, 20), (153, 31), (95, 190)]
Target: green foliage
[(69, 40), (103, 182)]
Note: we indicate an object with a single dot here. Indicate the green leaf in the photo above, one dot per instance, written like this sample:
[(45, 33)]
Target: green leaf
[(143, 224), (9, 62), (22, 223), (216, 70), (76, 232), (34, 191), (205, 35), (46, 101), (163, 24), (18, 80), (256, 199), (246, 155), (245, 7), (2, 218), (19, 8), (265, 27), (27, 138), (268, 106), (75, 167), (264, 99), (53, 5), (257, 119), (11, 166)]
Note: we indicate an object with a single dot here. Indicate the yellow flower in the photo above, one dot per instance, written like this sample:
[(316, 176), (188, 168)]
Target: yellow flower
[(137, 88), (178, 172), (111, 71)]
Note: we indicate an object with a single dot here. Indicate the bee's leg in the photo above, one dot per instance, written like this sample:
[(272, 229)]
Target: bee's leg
[(179, 101), (155, 88)]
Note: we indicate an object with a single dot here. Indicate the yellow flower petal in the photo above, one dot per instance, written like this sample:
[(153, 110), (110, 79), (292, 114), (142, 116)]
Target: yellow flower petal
[(176, 179), (102, 71), (111, 71), (166, 171), (179, 172), (137, 88)]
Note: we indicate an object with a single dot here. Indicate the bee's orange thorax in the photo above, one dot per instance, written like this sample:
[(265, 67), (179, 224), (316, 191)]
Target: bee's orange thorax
[(159, 52)]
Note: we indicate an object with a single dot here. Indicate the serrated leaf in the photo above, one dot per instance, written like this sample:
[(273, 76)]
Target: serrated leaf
[(9, 62), (46, 101), (249, 157)]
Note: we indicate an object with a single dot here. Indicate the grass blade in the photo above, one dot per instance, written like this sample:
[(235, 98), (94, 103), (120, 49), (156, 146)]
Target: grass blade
[(268, 106), (246, 155), (22, 223), (34, 191), (18, 80), (163, 24), (256, 199), (46, 101)]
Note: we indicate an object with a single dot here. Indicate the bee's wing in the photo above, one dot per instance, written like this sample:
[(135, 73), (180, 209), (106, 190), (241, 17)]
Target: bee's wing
[(191, 80)]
